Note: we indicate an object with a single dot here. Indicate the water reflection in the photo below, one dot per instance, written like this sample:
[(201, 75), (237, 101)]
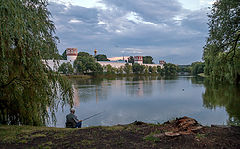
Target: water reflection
[(227, 96), (85, 90), (152, 99)]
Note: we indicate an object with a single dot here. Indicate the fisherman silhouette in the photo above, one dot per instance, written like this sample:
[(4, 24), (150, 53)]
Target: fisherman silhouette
[(72, 120)]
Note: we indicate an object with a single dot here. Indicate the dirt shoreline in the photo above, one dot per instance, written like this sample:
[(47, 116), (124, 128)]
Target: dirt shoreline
[(180, 133)]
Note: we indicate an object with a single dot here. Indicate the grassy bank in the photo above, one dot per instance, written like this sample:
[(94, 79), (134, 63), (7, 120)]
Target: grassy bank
[(79, 76), (179, 133), (202, 75)]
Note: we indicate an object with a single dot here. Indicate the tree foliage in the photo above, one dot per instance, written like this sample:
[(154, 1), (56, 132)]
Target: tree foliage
[(66, 68), (28, 88), (222, 50), (197, 68), (131, 59), (101, 57), (64, 55), (127, 68), (110, 70), (170, 69), (85, 63), (160, 70), (137, 68), (184, 68), (147, 60), (84, 54)]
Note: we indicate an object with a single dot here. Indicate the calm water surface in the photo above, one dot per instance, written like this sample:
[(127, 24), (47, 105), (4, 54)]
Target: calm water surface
[(152, 100)]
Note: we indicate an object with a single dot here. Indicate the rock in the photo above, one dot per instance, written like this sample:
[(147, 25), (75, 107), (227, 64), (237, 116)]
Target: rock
[(158, 135), (196, 129), (172, 134), (184, 126), (185, 132)]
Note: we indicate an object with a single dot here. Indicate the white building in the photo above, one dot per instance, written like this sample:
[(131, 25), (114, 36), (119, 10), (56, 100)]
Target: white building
[(73, 52), (139, 60), (154, 65), (123, 58), (115, 64), (71, 56)]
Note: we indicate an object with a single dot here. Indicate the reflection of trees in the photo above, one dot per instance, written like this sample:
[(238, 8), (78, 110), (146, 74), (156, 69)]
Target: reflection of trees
[(140, 85), (90, 89), (170, 77), (197, 80), (224, 96)]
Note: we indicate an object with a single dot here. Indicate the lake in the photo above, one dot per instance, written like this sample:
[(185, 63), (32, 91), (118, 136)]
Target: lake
[(153, 100)]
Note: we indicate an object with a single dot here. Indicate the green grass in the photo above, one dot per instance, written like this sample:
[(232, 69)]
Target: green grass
[(114, 128), (200, 136), (23, 134), (46, 145), (151, 138), (38, 135), (86, 142)]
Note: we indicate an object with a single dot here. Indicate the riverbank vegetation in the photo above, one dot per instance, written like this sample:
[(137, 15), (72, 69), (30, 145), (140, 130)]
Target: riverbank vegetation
[(90, 67), (222, 50), (194, 69), (28, 88)]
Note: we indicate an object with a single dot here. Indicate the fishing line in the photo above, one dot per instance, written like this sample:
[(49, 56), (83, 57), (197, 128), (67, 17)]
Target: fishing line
[(92, 116)]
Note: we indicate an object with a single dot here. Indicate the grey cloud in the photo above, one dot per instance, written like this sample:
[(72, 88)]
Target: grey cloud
[(197, 21), (149, 10), (110, 31), (132, 51)]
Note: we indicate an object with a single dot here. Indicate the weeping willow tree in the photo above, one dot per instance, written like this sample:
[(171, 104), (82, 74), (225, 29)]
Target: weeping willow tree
[(29, 91), (222, 50)]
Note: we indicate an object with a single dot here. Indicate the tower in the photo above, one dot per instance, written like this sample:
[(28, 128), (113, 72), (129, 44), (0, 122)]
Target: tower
[(138, 59), (95, 52), (71, 54)]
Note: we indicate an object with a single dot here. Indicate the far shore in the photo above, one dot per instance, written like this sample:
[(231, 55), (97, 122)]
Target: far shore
[(89, 76)]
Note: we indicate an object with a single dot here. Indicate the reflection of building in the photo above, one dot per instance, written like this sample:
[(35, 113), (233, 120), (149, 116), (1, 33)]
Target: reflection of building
[(138, 59), (140, 88), (76, 99), (96, 94)]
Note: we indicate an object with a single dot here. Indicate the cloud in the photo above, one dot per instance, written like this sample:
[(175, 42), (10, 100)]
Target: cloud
[(132, 51), (151, 10), (75, 21), (162, 29)]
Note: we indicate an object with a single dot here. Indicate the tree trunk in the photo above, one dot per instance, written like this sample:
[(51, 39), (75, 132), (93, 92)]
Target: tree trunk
[(238, 79)]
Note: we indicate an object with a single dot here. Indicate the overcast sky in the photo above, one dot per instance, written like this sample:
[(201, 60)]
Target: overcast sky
[(170, 30)]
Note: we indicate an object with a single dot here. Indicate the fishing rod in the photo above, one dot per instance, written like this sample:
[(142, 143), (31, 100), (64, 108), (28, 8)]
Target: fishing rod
[(92, 116)]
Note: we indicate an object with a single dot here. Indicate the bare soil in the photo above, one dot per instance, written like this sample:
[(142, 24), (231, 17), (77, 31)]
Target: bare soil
[(180, 133)]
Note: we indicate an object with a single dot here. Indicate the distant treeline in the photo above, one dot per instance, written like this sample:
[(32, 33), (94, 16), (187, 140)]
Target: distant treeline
[(193, 69), (86, 64)]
